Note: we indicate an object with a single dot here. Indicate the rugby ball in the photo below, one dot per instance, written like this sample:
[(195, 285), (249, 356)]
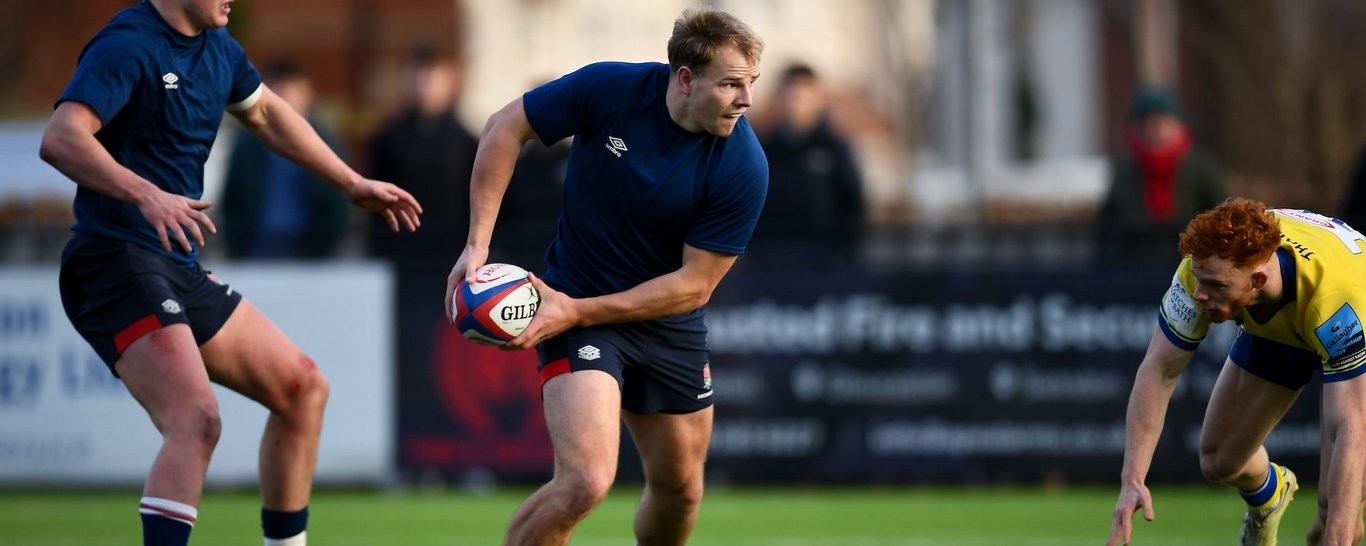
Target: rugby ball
[(497, 306)]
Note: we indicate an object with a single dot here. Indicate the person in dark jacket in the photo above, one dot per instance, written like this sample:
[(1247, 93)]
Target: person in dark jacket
[(816, 202), (1156, 188), (272, 208), (426, 150)]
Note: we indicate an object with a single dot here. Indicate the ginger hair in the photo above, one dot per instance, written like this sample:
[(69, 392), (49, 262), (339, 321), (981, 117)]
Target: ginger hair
[(1241, 231)]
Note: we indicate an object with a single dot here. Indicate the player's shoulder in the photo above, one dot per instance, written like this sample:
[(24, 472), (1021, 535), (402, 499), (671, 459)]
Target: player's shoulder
[(622, 79), (130, 33), (621, 69), (220, 37), (743, 157), (743, 137), (1183, 279)]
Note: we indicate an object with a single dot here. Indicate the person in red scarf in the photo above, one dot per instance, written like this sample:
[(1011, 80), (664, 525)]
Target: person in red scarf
[(1158, 186)]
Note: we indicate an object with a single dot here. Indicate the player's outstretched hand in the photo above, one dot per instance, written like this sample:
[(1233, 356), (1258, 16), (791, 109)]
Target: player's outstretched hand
[(172, 215), (471, 259), (392, 202), (1132, 496), (555, 314)]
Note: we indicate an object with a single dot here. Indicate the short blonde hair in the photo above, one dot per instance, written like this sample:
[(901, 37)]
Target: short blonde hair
[(701, 33)]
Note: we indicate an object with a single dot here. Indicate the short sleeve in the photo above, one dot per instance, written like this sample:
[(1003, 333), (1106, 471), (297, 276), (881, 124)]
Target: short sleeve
[(732, 207), (246, 80), (106, 74), (1338, 336), (1179, 317), (560, 108)]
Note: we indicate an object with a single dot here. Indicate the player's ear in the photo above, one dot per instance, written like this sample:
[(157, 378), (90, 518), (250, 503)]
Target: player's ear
[(685, 79), (1258, 279)]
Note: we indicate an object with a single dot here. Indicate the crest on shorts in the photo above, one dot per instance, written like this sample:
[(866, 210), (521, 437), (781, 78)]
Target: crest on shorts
[(706, 376), (170, 306), (589, 352)]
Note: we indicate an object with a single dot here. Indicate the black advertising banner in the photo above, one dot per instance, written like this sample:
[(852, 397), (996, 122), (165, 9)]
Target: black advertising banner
[(871, 377), (465, 411)]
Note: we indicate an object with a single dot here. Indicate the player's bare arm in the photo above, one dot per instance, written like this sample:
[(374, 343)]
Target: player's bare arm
[(273, 121), (681, 291), (506, 131), (1153, 386), (1344, 415), (69, 145)]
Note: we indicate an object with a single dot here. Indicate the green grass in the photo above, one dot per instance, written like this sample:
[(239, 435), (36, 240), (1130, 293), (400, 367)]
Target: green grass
[(1187, 516)]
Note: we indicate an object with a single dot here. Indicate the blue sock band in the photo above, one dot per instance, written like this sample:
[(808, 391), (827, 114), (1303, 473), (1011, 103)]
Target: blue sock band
[(1263, 494), (164, 531), (279, 525)]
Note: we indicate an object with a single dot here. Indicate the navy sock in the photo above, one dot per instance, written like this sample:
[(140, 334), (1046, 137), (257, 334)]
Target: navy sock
[(277, 524), (165, 522)]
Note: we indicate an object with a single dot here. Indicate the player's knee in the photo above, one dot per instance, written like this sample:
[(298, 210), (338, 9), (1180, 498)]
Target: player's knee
[(1219, 469), (305, 393), (199, 426), (587, 488), (313, 388), (682, 493)]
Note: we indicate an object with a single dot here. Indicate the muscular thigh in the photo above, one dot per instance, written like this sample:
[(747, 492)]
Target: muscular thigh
[(163, 371), (582, 413), (252, 356), (1242, 411), (672, 446)]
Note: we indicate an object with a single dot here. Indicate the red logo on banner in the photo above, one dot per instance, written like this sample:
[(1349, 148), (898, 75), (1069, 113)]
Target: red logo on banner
[(493, 397)]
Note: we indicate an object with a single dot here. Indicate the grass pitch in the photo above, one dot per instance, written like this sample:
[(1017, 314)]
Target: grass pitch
[(1186, 516)]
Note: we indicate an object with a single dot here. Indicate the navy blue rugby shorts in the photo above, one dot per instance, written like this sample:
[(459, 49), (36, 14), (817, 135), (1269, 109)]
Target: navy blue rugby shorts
[(1290, 367), (115, 292), (662, 365)]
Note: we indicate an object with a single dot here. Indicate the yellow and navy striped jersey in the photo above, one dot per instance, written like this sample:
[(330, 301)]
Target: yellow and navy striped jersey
[(1323, 268)]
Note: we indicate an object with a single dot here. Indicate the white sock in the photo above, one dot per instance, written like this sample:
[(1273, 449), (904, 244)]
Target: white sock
[(169, 509), (300, 539)]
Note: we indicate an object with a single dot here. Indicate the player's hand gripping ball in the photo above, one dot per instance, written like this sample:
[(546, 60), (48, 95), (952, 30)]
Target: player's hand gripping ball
[(497, 306)]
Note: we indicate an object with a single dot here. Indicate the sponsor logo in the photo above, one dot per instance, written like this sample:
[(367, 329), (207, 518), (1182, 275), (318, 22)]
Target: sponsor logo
[(589, 352), (170, 306), (170, 78), (1180, 310), (616, 145), (1341, 335), (1307, 217)]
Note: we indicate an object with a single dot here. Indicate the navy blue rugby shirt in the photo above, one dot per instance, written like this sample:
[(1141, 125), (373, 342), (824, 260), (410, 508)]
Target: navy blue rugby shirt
[(638, 185), (160, 96)]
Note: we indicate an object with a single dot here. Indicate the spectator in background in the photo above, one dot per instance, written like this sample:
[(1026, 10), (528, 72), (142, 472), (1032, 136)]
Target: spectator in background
[(426, 150), (816, 203), (1158, 187), (530, 215), (1353, 210), (271, 207)]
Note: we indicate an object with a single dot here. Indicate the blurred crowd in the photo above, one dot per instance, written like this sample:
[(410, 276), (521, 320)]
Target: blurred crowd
[(1170, 147)]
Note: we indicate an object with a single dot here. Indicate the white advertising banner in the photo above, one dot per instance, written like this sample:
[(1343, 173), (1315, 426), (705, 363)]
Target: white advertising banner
[(64, 419)]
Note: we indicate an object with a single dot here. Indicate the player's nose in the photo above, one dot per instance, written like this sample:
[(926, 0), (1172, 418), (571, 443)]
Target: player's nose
[(746, 97)]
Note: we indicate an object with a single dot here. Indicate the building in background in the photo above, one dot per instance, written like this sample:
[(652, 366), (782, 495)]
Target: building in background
[(976, 113)]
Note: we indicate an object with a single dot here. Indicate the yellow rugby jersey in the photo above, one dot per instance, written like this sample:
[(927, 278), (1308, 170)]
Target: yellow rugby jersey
[(1323, 267)]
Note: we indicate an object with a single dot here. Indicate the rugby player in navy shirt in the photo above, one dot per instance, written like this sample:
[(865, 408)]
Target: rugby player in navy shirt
[(133, 129), (665, 183)]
